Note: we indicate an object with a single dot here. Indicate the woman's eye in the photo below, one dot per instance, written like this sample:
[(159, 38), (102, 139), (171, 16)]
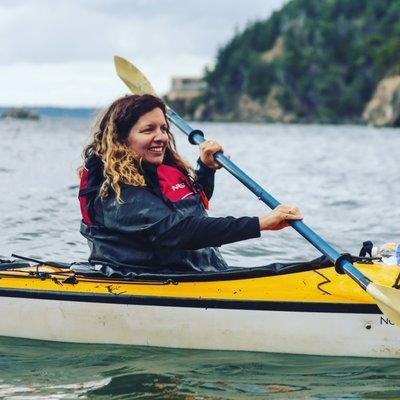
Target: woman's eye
[(151, 129)]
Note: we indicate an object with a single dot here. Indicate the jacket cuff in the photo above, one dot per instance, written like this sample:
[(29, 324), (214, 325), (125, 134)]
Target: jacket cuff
[(254, 228)]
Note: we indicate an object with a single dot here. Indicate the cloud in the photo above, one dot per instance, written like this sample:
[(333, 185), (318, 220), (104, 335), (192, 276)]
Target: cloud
[(59, 45), (84, 83)]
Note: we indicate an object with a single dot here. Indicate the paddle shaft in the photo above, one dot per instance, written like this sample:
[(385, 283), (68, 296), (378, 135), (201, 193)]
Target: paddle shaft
[(197, 137)]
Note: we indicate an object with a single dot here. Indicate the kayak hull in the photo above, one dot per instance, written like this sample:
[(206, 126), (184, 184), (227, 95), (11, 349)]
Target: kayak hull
[(317, 333), (142, 314)]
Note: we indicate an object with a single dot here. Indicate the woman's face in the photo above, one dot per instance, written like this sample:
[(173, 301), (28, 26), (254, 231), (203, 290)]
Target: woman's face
[(149, 136)]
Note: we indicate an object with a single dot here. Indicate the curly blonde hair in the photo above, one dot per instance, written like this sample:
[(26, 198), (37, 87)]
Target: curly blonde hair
[(111, 130)]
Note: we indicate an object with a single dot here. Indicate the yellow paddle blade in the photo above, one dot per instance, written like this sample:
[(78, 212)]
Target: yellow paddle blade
[(132, 77), (387, 299)]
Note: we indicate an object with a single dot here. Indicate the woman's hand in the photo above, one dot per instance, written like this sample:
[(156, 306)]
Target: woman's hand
[(277, 218), (207, 151)]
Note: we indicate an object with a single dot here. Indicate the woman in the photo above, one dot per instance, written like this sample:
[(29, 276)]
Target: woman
[(143, 206)]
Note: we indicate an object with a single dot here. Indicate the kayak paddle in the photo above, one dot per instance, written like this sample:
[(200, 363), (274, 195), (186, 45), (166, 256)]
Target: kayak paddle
[(387, 298)]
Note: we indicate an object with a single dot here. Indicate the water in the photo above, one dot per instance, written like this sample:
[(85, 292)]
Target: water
[(346, 181), (34, 369)]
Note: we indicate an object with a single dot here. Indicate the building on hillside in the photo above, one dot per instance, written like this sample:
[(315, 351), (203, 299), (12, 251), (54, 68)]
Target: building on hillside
[(185, 88)]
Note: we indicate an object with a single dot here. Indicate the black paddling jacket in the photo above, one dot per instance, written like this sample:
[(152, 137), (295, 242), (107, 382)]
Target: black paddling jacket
[(151, 233)]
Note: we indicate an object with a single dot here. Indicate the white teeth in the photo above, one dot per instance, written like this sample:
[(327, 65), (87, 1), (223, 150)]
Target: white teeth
[(156, 149)]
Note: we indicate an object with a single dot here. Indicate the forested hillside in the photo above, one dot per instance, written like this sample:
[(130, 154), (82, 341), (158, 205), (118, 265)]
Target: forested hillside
[(312, 61)]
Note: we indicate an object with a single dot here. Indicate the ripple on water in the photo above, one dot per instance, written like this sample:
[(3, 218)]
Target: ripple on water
[(345, 204)]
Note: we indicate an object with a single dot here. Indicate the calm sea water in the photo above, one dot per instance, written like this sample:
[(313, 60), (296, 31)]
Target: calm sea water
[(345, 179)]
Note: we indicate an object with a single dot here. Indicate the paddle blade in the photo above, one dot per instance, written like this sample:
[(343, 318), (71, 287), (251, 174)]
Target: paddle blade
[(132, 77), (387, 299)]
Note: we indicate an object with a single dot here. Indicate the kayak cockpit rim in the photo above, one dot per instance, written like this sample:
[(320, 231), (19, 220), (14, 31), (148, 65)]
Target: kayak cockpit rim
[(146, 274)]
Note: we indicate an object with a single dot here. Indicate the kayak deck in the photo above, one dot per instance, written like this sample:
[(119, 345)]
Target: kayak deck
[(320, 285)]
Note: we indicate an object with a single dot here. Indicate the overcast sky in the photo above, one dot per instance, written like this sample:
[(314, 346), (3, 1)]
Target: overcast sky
[(60, 52)]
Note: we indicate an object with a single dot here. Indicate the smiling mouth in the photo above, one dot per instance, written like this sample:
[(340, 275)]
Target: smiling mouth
[(156, 149)]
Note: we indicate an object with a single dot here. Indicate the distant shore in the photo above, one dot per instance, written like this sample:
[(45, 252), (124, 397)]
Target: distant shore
[(20, 113), (78, 112)]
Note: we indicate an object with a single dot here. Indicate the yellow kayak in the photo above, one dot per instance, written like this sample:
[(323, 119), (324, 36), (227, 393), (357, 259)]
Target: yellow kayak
[(292, 311)]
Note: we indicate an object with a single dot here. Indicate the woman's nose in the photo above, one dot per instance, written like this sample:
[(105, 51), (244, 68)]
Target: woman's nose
[(160, 135)]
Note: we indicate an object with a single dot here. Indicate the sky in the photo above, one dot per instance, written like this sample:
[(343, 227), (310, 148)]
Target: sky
[(60, 53)]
